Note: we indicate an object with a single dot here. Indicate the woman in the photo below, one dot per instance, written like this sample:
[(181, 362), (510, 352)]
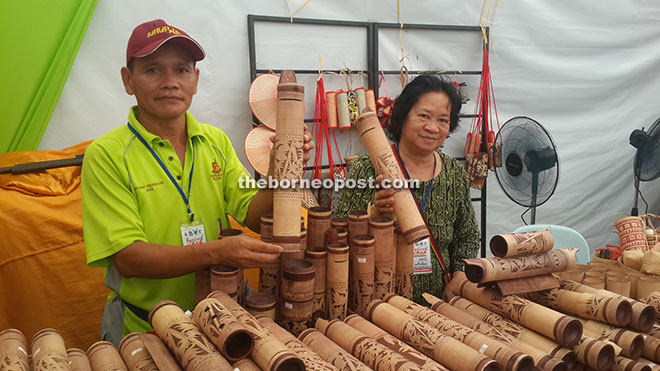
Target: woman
[(424, 114)]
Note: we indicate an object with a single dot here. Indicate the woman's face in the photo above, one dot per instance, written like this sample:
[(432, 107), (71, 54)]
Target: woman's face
[(427, 125)]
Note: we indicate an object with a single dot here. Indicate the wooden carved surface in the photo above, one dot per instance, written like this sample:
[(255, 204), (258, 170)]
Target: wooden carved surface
[(288, 156), (403, 285), (495, 269), (337, 299), (269, 279), (516, 244), (386, 165), (191, 347), (331, 352), (383, 279), (51, 361)]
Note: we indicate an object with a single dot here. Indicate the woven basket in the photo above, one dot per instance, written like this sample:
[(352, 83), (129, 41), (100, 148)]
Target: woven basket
[(633, 259), (651, 263)]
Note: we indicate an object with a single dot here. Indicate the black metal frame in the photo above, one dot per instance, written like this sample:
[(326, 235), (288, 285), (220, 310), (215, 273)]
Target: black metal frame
[(373, 66)]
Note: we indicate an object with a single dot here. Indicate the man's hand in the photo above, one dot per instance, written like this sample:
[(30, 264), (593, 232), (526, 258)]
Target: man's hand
[(244, 252)]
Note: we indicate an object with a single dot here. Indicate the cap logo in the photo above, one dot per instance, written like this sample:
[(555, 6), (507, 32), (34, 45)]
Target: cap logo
[(164, 29)]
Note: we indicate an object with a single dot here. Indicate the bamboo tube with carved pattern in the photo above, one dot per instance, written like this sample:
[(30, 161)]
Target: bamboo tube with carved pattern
[(630, 342), (331, 352), (319, 258), (358, 225), (594, 353), (318, 223), (135, 354), (223, 329), (13, 350), (159, 352), (48, 351), (337, 281), (363, 272), (517, 244), (104, 356), (80, 362), (403, 278), (627, 364), (382, 229), (246, 364)]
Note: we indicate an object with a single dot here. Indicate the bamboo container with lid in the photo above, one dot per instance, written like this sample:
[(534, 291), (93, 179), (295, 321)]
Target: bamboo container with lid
[(222, 328), (337, 281), (331, 352), (80, 362), (13, 350), (49, 351), (298, 280), (227, 279), (261, 304), (104, 356), (135, 354)]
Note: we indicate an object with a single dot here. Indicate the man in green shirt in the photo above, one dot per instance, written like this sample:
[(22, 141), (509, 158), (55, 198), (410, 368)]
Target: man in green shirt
[(155, 189)]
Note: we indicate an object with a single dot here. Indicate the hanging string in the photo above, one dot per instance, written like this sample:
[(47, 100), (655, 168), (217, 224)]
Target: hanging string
[(296, 12)]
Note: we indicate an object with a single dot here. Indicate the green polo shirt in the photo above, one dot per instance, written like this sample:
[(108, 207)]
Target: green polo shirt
[(127, 197)]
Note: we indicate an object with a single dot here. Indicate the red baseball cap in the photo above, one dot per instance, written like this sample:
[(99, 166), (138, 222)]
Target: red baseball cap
[(149, 36)]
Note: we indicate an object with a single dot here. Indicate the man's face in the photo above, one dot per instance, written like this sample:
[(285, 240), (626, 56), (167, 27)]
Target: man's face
[(163, 82)]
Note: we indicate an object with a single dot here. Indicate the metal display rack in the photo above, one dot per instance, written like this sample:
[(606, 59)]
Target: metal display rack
[(373, 68)]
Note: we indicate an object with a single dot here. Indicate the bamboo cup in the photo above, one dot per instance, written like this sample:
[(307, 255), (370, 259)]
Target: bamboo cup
[(135, 354), (403, 279), (159, 352), (505, 355), (79, 361), (296, 316), (542, 360), (627, 364), (337, 281), (482, 270), (573, 274), (643, 315), (13, 350), (614, 311), (391, 342), (311, 360), (268, 352), (358, 225), (223, 329), (48, 351), (385, 163), (318, 223), (331, 352), (369, 351), (298, 280), (261, 304), (363, 272), (331, 105), (618, 284), (428, 340), (630, 342), (227, 279), (104, 356), (288, 164), (382, 228), (246, 364), (188, 343), (563, 329), (516, 331), (319, 259), (594, 353), (517, 244), (371, 99)]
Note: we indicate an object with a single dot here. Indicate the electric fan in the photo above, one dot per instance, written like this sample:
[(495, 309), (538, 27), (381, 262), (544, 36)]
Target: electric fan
[(530, 168), (647, 159)]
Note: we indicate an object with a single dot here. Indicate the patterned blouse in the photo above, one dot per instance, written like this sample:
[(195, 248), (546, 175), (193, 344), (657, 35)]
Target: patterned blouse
[(448, 212)]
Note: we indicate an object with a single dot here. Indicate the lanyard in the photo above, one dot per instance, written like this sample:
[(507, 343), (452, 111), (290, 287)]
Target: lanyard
[(186, 199), (403, 166)]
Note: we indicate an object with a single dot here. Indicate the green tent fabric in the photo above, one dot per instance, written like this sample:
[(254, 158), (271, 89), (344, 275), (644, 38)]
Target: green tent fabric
[(40, 42)]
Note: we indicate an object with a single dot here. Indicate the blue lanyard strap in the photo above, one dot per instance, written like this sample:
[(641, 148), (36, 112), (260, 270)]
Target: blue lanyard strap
[(403, 166), (185, 198)]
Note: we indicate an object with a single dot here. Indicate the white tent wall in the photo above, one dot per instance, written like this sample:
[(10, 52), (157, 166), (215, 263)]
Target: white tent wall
[(586, 70)]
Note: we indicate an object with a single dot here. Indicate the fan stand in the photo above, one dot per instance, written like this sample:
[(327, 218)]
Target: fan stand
[(535, 190), (635, 211)]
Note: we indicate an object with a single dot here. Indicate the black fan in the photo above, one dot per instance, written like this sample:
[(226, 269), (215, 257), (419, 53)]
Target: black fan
[(647, 158), (530, 168)]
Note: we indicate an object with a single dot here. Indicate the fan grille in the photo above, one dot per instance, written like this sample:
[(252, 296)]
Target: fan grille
[(647, 158)]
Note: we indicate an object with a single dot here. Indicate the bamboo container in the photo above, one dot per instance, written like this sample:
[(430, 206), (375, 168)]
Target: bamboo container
[(643, 315), (331, 105), (268, 352), (336, 222), (631, 233), (266, 227), (630, 342), (79, 361), (202, 284), (331, 352), (246, 364), (296, 316), (159, 353), (361, 99), (573, 274), (363, 268), (646, 285), (104, 356), (614, 311), (227, 279), (403, 278), (653, 300), (261, 304), (542, 360), (343, 114), (358, 225), (188, 343), (651, 348), (393, 343), (482, 270), (135, 354), (594, 353), (288, 161), (518, 244), (594, 282), (428, 340), (13, 350), (369, 351), (618, 284), (385, 163), (505, 355), (298, 280), (223, 329), (517, 331), (270, 276), (371, 100), (337, 281), (318, 223), (311, 360), (627, 364), (342, 235), (48, 351), (319, 258), (382, 228), (563, 329)]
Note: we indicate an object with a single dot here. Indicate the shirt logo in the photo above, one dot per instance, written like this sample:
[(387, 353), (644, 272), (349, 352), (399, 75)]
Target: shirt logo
[(216, 171)]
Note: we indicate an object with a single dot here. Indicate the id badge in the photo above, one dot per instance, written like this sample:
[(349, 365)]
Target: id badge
[(193, 233), (422, 257)]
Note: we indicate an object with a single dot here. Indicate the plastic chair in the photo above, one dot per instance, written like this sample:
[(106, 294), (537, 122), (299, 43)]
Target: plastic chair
[(565, 238)]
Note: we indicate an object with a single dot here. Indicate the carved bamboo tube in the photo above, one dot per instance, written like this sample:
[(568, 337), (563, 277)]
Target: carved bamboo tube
[(594, 353), (358, 225), (223, 329), (505, 355), (517, 244), (288, 164), (318, 223), (363, 272), (188, 343), (296, 315), (261, 304), (563, 329), (80, 362), (135, 353), (268, 352), (654, 301), (337, 281), (481, 270), (104, 356), (609, 310), (159, 352), (369, 351), (393, 343), (13, 350), (269, 273), (385, 163), (331, 352), (428, 340), (627, 364), (630, 342), (227, 279), (382, 229), (652, 348), (49, 351), (246, 364), (403, 278), (311, 360), (319, 258)]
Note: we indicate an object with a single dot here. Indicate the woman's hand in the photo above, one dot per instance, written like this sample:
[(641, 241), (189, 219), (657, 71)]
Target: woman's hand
[(383, 198)]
